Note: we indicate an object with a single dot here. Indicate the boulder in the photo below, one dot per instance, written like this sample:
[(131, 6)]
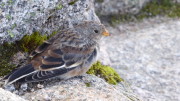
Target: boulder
[(19, 17)]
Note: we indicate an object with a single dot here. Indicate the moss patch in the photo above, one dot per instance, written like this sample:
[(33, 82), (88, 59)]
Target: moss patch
[(6, 51), (151, 9), (72, 2), (88, 84), (59, 6), (99, 1), (105, 72), (160, 7), (29, 42)]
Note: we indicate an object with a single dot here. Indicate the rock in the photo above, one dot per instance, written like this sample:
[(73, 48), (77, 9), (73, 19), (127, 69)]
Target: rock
[(86, 87), (8, 96), (109, 7), (147, 56), (75, 89), (18, 17), (176, 1), (115, 7)]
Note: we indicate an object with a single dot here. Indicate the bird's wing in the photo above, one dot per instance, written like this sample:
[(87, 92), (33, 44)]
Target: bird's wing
[(66, 56)]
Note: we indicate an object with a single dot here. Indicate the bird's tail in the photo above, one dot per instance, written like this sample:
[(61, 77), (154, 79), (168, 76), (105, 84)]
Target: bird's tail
[(19, 74)]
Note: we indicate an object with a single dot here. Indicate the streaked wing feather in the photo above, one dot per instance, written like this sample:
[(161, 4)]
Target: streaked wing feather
[(67, 57), (40, 49), (52, 60), (42, 75), (20, 73)]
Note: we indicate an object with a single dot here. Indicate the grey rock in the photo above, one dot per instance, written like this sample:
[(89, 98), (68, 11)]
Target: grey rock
[(8, 96), (19, 17), (76, 89), (147, 56), (108, 7), (176, 1), (86, 87)]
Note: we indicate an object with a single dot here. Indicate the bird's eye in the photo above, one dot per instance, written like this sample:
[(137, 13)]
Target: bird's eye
[(96, 31)]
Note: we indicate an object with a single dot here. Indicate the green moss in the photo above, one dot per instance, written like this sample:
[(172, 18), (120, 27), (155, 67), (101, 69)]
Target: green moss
[(163, 8), (27, 44), (33, 14), (13, 26), (99, 1), (6, 51), (151, 9), (10, 33), (118, 18), (2, 4), (105, 72), (9, 17), (6, 67), (59, 6), (10, 2), (88, 84), (72, 2)]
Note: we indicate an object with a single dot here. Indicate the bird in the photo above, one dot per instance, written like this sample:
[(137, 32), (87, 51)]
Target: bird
[(69, 53)]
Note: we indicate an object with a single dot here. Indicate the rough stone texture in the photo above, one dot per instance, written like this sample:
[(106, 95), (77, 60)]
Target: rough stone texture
[(87, 87), (8, 96), (147, 56), (76, 90), (111, 7), (19, 17), (107, 7), (176, 1)]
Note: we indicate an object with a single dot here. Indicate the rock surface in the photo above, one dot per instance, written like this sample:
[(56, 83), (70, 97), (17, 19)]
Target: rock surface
[(88, 88), (115, 7), (8, 96), (19, 17), (107, 7), (147, 55), (176, 1)]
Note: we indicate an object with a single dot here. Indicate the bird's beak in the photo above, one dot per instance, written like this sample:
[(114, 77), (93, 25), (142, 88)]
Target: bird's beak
[(106, 33)]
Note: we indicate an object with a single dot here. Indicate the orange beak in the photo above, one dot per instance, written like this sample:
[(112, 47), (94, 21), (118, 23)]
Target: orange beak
[(106, 33)]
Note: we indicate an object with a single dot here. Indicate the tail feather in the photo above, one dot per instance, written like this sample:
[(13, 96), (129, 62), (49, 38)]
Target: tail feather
[(37, 76), (7, 76), (20, 73), (29, 74), (43, 75)]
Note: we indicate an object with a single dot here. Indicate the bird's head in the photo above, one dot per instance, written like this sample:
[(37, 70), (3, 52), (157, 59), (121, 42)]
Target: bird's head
[(92, 30)]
